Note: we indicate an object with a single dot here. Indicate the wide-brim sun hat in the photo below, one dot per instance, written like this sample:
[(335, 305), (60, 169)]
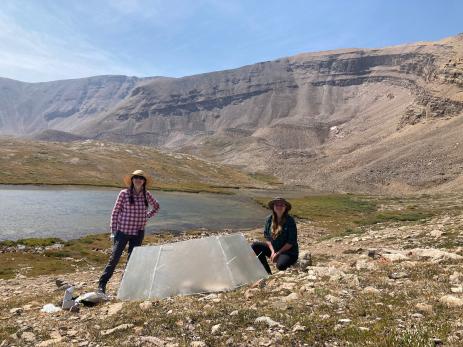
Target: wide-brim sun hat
[(272, 202), (128, 178)]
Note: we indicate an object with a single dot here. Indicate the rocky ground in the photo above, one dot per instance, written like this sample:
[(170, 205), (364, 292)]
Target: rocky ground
[(395, 284)]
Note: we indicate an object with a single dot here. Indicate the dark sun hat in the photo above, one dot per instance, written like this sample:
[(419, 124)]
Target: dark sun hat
[(272, 202)]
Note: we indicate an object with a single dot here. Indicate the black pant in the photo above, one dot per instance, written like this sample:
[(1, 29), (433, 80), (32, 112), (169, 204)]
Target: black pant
[(119, 243), (263, 251)]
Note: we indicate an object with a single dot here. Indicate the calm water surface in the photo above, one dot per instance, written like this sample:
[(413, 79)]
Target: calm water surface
[(70, 213)]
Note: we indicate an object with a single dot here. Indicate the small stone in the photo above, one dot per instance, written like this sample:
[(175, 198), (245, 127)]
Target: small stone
[(118, 328), (72, 333), (451, 301), (344, 321), (146, 305), (371, 290), (234, 313), (28, 336), (398, 275), (364, 329), (417, 315), (115, 308), (436, 233), (394, 257), (16, 310), (332, 299), (456, 289), (215, 329), (424, 308), (209, 297), (298, 327), (267, 320), (291, 297)]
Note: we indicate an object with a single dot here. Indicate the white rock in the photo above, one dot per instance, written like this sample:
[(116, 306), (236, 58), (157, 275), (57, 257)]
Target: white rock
[(457, 289), (344, 321), (332, 299), (394, 257), (115, 308), (267, 320), (50, 308), (363, 264), (118, 328), (291, 297), (28, 336), (436, 233), (16, 310), (209, 297), (146, 305), (298, 327), (424, 308), (434, 254), (215, 329), (451, 301), (455, 277), (371, 290), (234, 313)]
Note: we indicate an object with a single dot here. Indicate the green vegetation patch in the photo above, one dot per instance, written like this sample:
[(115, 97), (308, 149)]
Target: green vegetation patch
[(40, 259), (344, 214)]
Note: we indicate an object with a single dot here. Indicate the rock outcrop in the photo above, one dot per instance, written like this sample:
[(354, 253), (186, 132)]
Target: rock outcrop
[(352, 119)]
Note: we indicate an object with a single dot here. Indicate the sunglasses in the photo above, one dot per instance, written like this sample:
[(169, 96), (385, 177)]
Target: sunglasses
[(136, 177)]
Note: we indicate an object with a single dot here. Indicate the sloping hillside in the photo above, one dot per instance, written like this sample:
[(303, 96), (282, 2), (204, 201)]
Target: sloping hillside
[(98, 163), (355, 119)]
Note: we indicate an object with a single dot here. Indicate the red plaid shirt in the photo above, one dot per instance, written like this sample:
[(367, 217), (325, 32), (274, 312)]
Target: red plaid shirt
[(128, 218)]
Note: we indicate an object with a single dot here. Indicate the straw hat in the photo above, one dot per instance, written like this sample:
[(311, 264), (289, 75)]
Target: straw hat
[(128, 178), (272, 202)]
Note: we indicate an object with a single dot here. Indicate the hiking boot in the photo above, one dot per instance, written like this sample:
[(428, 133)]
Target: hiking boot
[(102, 289)]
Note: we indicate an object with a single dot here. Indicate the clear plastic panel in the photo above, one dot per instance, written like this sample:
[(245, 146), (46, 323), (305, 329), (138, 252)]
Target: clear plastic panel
[(209, 264)]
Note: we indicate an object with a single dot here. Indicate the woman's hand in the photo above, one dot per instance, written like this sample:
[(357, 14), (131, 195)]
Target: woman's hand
[(274, 256)]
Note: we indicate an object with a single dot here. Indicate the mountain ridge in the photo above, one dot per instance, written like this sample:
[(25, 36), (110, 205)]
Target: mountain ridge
[(303, 111)]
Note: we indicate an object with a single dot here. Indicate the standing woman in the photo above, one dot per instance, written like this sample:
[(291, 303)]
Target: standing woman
[(280, 233), (128, 220)]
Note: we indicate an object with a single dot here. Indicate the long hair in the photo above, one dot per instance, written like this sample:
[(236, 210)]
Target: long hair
[(131, 193), (277, 225)]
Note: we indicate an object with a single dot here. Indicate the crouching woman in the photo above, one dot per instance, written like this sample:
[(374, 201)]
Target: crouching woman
[(280, 233)]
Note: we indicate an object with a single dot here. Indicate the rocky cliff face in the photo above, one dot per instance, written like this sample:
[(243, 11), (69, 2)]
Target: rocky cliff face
[(329, 119)]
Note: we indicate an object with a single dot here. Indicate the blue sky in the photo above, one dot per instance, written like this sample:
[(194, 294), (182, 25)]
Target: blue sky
[(43, 40)]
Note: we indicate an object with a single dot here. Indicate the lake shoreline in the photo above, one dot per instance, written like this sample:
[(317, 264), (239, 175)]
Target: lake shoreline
[(69, 212)]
